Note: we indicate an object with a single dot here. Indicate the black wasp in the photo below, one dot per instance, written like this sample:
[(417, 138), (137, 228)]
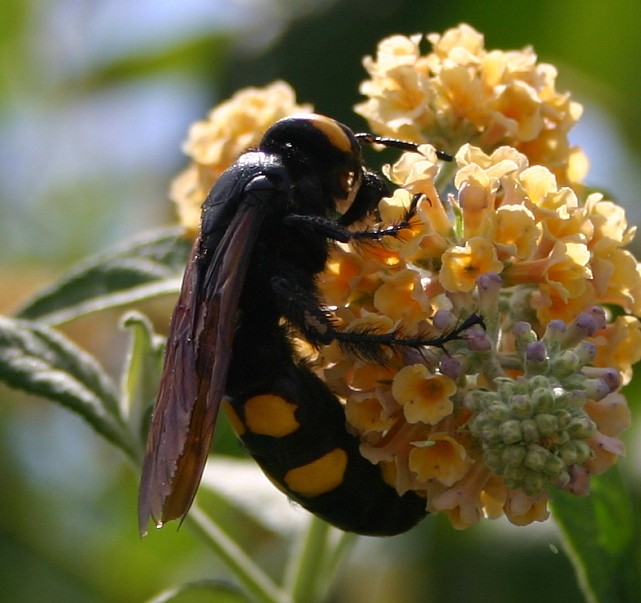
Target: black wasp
[(264, 236)]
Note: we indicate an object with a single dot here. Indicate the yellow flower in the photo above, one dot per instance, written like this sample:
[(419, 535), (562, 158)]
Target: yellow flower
[(565, 269), (461, 502), (348, 278), (611, 415), (441, 458), (514, 231), (522, 509), (215, 143), (366, 415), (401, 297), (619, 346), (461, 92), (424, 397), (463, 265), (552, 303)]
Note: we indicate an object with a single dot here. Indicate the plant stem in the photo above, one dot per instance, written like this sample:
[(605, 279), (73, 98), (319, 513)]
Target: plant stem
[(345, 542), (308, 561), (251, 577)]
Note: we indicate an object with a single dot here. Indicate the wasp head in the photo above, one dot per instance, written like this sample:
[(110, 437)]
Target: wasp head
[(315, 146)]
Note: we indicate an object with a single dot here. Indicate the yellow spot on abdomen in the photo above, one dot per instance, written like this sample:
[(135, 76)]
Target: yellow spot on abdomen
[(234, 419), (319, 476), (270, 415)]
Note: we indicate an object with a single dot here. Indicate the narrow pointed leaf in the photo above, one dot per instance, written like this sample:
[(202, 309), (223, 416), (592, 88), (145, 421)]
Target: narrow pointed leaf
[(43, 362), (142, 371), (145, 267)]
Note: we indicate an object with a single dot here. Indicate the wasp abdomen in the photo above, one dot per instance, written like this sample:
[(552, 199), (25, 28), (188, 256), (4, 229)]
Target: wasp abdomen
[(296, 431)]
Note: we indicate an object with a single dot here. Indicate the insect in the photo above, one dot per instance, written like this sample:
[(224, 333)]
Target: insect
[(265, 234)]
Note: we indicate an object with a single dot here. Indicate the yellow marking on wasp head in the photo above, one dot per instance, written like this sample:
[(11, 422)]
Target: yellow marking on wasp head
[(333, 131), (319, 476), (271, 415)]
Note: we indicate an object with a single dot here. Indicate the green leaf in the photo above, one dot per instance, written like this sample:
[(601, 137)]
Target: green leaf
[(142, 371), (601, 536), (148, 266), (41, 361)]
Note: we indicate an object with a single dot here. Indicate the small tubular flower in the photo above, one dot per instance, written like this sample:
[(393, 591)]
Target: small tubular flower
[(461, 92), (424, 398)]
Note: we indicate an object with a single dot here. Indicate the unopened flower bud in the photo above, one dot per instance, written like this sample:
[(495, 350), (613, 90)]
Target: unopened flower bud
[(553, 465), (506, 389), (534, 482), (513, 455), (523, 334), (444, 320), (555, 331), (584, 325), (477, 340), (451, 367), (473, 400), (568, 454), (488, 286), (573, 399), (521, 406), (546, 424), (498, 412), (538, 382), (511, 432), (529, 430), (535, 457), (583, 449), (596, 389), (535, 351), (598, 314), (514, 476), (609, 375), (542, 399), (566, 364), (581, 428), (585, 351), (493, 459)]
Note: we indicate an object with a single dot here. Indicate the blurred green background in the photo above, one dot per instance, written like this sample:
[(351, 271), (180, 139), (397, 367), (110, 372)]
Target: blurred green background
[(95, 100)]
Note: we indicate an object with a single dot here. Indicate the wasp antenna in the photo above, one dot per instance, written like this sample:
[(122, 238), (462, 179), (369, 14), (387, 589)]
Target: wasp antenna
[(396, 143)]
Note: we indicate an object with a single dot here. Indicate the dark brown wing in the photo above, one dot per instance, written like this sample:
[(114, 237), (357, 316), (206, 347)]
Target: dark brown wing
[(196, 366)]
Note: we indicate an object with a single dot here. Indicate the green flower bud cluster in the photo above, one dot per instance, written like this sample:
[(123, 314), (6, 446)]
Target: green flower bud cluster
[(534, 429)]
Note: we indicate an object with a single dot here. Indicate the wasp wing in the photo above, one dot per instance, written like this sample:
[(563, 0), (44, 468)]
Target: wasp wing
[(198, 354)]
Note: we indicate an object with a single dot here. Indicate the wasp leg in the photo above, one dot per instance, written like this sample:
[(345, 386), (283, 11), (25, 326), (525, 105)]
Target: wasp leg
[(337, 232), (316, 324)]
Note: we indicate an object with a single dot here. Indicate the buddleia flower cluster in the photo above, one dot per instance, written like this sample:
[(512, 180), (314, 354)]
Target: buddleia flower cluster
[(531, 400)]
